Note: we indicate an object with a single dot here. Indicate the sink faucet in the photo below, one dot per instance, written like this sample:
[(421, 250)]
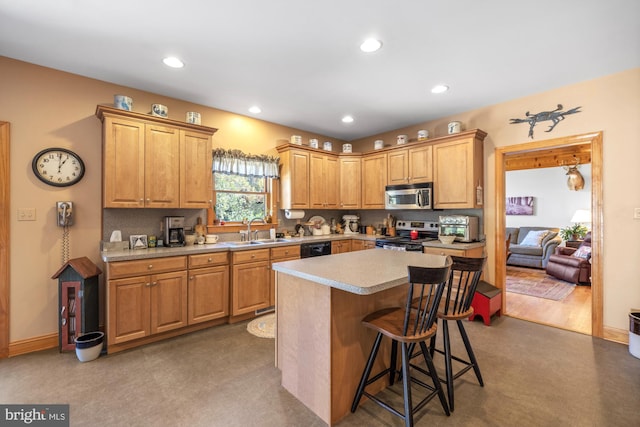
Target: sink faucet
[(249, 228)]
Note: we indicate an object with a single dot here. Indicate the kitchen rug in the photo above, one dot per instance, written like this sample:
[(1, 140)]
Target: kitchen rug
[(537, 283), (263, 326)]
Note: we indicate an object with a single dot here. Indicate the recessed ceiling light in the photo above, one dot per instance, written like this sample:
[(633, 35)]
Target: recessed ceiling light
[(347, 119), (173, 62), (370, 45), (439, 89), (255, 110)]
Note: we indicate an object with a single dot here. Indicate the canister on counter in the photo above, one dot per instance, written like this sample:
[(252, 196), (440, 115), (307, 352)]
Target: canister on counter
[(152, 241)]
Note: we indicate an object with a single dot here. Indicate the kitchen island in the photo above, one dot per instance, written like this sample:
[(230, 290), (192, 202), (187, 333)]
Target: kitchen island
[(321, 344)]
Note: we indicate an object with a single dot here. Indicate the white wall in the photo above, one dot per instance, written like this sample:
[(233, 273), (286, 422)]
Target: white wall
[(554, 203)]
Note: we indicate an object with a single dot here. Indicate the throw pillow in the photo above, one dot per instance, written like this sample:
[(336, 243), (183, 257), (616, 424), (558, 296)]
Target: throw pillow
[(582, 252), (534, 238)]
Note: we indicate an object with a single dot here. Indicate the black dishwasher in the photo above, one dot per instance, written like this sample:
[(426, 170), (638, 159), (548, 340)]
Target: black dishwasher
[(310, 249)]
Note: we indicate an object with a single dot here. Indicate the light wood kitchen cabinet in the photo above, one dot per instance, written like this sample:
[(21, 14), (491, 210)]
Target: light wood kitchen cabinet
[(458, 171), (470, 253), (251, 281), (208, 287), (294, 178), (411, 165), (340, 246), (152, 162), (374, 180), (323, 181), (361, 245), (140, 306), (350, 182), (195, 170), (279, 254)]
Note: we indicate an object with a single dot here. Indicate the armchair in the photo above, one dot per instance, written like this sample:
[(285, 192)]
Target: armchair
[(572, 265)]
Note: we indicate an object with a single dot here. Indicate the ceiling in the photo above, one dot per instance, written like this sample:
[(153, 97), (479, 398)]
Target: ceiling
[(300, 60)]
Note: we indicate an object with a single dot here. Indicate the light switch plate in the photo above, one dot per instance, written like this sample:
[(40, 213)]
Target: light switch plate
[(636, 213), (26, 214)]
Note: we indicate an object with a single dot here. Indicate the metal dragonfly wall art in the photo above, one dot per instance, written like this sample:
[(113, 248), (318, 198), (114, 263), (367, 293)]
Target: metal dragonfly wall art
[(555, 116)]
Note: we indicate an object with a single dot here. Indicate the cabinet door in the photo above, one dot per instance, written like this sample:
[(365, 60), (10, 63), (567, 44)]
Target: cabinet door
[(195, 170), (323, 181), (357, 245), (374, 179), (294, 180), (398, 167), (350, 182), (162, 167), (208, 294), (128, 316), (340, 246), (421, 164), (453, 175), (251, 287), (123, 151), (317, 182), (168, 301)]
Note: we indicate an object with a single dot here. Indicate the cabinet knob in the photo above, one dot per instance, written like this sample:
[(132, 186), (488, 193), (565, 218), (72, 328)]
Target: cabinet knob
[(148, 200), (286, 252), (253, 256), (147, 284), (191, 277), (209, 259), (150, 266), (154, 283), (141, 200)]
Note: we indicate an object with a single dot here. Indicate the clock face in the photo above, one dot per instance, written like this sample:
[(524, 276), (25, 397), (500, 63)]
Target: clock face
[(58, 167)]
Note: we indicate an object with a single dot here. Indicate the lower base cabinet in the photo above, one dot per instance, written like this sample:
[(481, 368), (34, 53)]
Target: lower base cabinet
[(208, 294), (361, 245), (250, 283), (140, 306), (340, 246)]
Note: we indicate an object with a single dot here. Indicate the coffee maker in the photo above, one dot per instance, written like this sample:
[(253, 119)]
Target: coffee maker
[(173, 231)]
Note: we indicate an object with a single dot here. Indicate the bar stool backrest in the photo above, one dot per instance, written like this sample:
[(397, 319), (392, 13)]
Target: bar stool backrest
[(426, 287), (463, 280)]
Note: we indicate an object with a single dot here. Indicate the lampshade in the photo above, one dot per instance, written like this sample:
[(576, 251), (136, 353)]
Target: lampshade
[(581, 216)]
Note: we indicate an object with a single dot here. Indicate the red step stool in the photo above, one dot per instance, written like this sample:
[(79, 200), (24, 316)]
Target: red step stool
[(487, 301)]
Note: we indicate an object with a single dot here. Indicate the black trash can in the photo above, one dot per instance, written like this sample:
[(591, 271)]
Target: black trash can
[(634, 333)]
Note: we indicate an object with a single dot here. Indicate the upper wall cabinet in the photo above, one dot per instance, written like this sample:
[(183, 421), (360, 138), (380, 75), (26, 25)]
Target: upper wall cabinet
[(458, 170), (410, 165), (152, 162), (294, 178)]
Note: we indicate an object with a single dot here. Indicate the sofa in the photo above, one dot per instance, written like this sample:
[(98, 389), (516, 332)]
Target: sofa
[(572, 264), (532, 246)]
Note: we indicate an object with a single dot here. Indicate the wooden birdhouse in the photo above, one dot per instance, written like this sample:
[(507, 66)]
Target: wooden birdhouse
[(77, 300)]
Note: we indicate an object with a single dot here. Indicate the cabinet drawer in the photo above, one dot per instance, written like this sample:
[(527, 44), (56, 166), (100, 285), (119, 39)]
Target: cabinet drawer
[(146, 266), (285, 252), (208, 260), (250, 256)]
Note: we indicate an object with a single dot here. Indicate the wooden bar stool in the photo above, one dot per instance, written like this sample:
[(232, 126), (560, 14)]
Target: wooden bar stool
[(456, 306), (410, 325)]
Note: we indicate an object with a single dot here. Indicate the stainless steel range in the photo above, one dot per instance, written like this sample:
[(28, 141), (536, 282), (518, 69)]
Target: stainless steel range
[(410, 235)]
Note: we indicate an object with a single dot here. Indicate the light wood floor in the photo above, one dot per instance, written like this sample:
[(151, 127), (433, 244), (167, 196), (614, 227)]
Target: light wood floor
[(573, 313)]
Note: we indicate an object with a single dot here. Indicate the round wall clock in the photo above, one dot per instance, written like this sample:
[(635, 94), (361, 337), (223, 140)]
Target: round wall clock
[(58, 167)]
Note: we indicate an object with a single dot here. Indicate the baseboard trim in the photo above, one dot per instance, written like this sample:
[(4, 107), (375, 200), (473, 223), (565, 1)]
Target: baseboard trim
[(617, 335), (30, 345)]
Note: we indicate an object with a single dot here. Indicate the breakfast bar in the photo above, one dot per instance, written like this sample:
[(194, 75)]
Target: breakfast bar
[(321, 345)]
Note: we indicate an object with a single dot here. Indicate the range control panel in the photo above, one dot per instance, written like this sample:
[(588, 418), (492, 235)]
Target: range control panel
[(402, 224)]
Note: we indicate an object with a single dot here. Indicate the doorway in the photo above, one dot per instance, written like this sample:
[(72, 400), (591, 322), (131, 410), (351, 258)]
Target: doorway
[(539, 150), (4, 239)]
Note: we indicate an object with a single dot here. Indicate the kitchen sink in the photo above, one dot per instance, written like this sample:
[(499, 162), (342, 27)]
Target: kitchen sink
[(252, 242)]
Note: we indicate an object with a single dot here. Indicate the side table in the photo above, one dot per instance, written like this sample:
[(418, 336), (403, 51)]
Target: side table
[(573, 243)]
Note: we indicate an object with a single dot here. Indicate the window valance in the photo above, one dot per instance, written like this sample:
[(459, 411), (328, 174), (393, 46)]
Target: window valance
[(238, 163)]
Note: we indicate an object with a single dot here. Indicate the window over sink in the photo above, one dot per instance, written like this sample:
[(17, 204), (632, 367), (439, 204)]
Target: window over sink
[(238, 197)]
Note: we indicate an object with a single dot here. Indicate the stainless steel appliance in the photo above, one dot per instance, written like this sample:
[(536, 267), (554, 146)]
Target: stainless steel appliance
[(464, 227), (409, 196), (173, 231), (311, 249), (423, 231)]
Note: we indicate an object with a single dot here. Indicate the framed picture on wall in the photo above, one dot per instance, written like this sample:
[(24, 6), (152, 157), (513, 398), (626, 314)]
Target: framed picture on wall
[(520, 205)]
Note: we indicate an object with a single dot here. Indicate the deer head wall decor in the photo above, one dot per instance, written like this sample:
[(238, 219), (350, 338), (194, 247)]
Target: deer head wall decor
[(575, 181)]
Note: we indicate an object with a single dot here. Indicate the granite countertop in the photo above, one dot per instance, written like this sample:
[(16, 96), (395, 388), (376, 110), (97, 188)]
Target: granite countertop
[(360, 272), (133, 254)]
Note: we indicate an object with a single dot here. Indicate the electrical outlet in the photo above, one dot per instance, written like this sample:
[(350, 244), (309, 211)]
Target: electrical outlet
[(26, 214), (636, 213)]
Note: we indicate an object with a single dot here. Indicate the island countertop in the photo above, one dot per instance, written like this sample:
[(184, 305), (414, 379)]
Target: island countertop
[(361, 272)]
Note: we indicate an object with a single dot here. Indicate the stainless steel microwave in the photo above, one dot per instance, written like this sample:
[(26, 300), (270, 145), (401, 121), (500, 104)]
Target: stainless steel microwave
[(409, 196)]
